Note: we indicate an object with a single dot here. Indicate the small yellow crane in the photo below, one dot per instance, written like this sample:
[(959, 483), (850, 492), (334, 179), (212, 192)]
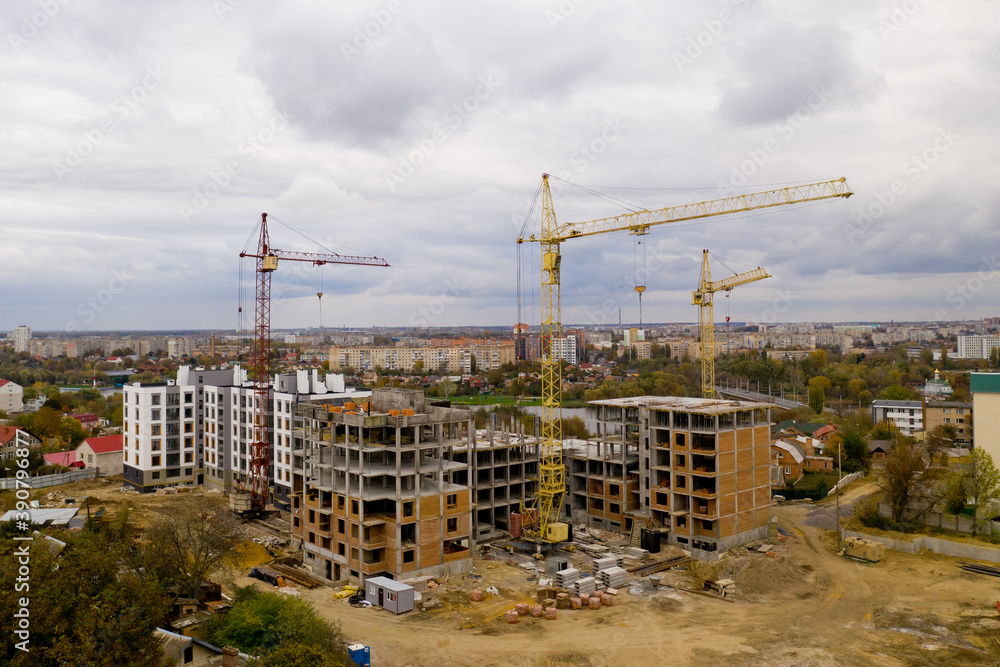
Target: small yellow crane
[(702, 297)]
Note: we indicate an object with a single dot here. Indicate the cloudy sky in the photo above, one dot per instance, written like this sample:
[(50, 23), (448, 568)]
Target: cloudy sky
[(142, 141)]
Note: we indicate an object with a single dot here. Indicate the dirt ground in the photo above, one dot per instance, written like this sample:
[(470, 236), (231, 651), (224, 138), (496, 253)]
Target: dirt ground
[(805, 606)]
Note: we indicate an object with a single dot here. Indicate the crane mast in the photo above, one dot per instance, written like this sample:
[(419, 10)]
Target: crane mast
[(267, 263), (552, 486)]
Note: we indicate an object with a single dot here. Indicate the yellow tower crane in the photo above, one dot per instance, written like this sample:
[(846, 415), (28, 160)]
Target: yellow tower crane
[(702, 297), (552, 472)]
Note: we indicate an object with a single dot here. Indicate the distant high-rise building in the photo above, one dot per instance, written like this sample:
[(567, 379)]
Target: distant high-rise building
[(22, 338)]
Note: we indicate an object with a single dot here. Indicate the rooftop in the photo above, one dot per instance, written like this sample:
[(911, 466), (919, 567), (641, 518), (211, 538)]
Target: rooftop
[(683, 404), (984, 383)]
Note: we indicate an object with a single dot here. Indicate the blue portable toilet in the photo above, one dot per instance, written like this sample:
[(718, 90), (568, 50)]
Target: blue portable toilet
[(360, 654)]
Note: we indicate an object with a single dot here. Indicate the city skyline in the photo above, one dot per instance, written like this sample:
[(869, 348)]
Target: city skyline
[(146, 142)]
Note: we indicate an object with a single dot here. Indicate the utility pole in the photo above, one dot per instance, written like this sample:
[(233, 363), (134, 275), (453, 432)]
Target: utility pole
[(840, 476)]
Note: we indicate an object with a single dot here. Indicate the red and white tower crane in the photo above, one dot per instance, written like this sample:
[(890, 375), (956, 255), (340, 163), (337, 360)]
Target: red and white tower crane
[(267, 262)]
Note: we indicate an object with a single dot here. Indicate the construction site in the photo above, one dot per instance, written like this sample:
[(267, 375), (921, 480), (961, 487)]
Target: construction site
[(788, 600), (435, 542)]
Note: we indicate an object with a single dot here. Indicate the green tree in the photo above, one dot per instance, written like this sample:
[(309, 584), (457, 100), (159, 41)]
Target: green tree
[(855, 387), (957, 494), (897, 393), (269, 625), (89, 604), (495, 378), (903, 478), (982, 483), (818, 387), (472, 365)]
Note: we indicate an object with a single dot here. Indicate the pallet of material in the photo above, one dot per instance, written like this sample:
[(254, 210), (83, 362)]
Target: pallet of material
[(653, 568), (585, 585), (614, 577), (565, 578), (296, 576), (605, 563)]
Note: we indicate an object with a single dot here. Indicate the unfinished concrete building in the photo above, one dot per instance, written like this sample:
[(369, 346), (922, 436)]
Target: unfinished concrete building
[(703, 468), (602, 476), (377, 490), (503, 468)]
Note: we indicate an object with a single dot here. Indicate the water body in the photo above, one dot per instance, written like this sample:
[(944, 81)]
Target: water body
[(537, 410)]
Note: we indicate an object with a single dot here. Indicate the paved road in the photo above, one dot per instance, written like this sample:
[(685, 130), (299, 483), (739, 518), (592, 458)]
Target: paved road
[(754, 396)]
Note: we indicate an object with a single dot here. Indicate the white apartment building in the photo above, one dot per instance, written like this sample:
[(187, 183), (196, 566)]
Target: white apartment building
[(977, 347), (11, 396), (22, 338), (199, 428), (565, 348), (907, 415), (229, 426)]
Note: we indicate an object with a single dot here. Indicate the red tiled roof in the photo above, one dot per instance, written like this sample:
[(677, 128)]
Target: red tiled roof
[(3, 382), (106, 443), (85, 417), (7, 434), (65, 459)]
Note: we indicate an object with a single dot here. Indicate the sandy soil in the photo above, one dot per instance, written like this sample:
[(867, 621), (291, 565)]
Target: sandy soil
[(805, 606)]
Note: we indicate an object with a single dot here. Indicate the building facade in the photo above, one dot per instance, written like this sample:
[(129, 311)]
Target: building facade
[(22, 338), (985, 389), (950, 413), (908, 416), (433, 359), (199, 428), (379, 492), (977, 347), (11, 396), (703, 467)]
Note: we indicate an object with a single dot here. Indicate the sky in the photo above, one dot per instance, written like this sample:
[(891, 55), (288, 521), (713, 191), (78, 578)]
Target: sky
[(142, 141)]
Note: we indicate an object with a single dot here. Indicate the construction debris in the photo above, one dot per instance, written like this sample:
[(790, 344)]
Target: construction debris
[(981, 569)]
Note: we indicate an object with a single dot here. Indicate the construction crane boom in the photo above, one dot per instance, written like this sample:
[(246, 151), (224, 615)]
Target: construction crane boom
[(267, 262), (639, 221), (552, 484), (703, 298)]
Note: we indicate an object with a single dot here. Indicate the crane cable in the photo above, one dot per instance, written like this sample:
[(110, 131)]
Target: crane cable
[(639, 286)]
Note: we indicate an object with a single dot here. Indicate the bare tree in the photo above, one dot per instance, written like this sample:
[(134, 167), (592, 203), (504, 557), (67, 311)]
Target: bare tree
[(185, 545)]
